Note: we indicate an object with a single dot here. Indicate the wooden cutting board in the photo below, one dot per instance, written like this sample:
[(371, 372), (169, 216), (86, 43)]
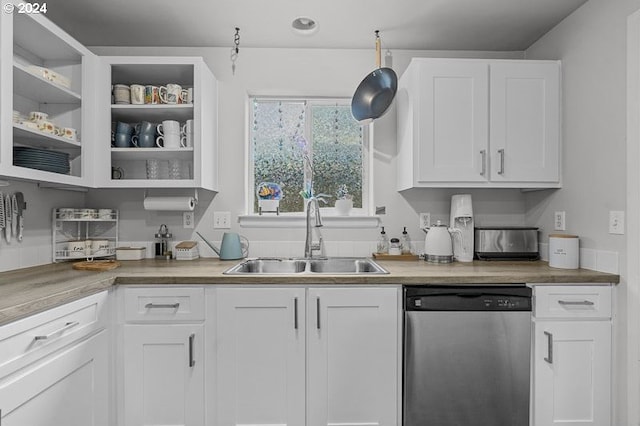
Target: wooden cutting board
[(96, 265), (385, 256)]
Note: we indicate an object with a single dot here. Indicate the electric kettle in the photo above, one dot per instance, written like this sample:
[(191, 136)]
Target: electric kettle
[(438, 247)]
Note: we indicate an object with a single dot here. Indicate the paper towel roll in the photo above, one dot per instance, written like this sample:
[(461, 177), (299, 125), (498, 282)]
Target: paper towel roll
[(183, 204)]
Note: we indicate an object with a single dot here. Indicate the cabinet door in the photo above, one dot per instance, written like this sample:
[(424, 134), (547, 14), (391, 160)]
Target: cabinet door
[(525, 122), (453, 114), (67, 388), (163, 375), (352, 356), (572, 373), (261, 356)]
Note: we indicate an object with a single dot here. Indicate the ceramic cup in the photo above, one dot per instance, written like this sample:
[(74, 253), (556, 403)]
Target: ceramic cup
[(37, 116), (144, 140), (77, 248), (125, 128), (170, 94), (122, 140), (117, 173), (66, 213), (187, 96), (145, 127), (169, 140), (121, 94), (70, 133), (105, 213), (168, 126), (137, 94), (47, 127), (175, 169), (151, 95)]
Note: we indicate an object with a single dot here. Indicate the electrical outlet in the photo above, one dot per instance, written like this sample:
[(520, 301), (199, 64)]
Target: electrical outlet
[(222, 220), (559, 223), (187, 220), (425, 220), (616, 222)]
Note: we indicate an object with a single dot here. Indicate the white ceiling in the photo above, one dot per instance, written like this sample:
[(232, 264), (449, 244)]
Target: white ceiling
[(501, 25)]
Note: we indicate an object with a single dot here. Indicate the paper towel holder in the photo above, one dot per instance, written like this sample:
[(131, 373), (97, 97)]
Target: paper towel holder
[(195, 196)]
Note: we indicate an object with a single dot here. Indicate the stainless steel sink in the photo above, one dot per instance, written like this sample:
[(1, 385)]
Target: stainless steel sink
[(345, 266), (331, 265), (268, 266)]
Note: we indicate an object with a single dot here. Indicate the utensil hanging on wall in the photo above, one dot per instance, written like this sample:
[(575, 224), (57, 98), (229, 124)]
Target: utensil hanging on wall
[(376, 92)]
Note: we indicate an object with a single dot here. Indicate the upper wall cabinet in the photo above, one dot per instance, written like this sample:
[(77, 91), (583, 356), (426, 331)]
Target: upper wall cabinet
[(162, 133), (479, 123), (46, 82)]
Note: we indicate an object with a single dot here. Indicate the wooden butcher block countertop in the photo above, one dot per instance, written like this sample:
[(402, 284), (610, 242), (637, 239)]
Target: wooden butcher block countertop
[(27, 291)]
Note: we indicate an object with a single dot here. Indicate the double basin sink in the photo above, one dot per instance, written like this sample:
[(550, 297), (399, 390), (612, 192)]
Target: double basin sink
[(331, 265)]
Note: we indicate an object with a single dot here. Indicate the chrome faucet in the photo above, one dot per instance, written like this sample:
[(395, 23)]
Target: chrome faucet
[(309, 245)]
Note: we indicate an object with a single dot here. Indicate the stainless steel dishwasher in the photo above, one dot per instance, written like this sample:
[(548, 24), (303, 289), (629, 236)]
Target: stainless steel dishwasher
[(467, 355)]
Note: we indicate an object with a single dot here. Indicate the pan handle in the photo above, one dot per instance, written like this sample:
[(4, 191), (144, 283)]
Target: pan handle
[(378, 50)]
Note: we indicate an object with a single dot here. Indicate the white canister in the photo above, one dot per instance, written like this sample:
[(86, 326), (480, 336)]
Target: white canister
[(564, 251)]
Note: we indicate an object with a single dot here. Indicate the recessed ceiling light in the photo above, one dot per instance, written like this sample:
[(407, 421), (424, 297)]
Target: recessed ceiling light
[(304, 25)]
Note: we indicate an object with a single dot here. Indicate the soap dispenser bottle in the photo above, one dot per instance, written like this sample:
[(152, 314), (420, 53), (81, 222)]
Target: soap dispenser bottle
[(405, 242), (383, 242)]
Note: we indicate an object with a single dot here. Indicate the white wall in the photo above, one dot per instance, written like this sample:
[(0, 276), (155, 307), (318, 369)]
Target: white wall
[(35, 249), (592, 46), (302, 72)]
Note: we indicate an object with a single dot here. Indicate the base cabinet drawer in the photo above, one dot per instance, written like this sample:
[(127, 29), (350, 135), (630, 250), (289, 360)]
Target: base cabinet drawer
[(153, 304), (573, 302), (67, 388)]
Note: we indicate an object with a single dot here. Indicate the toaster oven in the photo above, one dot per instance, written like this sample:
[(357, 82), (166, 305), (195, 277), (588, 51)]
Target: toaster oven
[(506, 243)]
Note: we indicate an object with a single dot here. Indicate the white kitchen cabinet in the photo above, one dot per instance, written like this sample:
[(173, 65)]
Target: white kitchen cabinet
[(479, 123), (54, 366), (572, 356), (44, 69), (345, 340), (260, 336), (161, 371), (353, 356), (163, 375), (198, 163)]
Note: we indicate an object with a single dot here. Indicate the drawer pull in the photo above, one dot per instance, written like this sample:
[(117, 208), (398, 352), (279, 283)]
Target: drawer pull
[(295, 313), (549, 357), (576, 302), (66, 327), (162, 305)]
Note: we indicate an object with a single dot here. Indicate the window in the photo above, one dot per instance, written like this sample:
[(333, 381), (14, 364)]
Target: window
[(307, 146)]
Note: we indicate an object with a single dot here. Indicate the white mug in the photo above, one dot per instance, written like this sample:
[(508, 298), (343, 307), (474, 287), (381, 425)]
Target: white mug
[(169, 140), (187, 127), (137, 94), (168, 126), (170, 94), (187, 95)]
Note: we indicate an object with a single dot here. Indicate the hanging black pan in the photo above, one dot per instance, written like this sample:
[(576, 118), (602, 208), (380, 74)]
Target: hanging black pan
[(376, 92)]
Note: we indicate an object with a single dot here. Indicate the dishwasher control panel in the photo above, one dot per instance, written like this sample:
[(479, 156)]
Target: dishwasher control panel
[(468, 298)]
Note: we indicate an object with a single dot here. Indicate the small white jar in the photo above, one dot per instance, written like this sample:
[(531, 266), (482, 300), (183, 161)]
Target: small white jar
[(564, 251)]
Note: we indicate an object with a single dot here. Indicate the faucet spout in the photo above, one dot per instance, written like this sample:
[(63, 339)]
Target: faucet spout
[(309, 245)]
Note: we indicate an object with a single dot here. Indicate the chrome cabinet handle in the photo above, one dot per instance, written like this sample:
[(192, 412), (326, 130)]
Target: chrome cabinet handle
[(483, 154), (192, 339), (576, 302), (66, 327), (501, 154), (295, 313), (549, 357), (162, 305), (318, 313)]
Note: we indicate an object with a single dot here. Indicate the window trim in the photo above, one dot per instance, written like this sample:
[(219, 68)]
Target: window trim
[(366, 211)]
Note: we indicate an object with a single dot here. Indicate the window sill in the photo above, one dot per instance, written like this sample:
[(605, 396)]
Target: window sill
[(299, 221)]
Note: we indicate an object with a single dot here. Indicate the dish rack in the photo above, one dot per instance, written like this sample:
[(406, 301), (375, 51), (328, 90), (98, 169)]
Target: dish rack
[(97, 228)]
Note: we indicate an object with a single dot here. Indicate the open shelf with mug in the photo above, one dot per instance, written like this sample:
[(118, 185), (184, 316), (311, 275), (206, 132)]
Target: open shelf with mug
[(156, 136), (84, 233)]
